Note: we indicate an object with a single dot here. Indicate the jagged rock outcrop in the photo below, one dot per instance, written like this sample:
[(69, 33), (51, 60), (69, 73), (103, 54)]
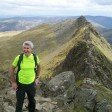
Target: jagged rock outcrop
[(61, 87), (103, 106), (81, 22)]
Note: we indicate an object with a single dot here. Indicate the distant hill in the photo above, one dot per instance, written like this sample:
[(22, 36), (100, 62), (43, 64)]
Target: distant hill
[(108, 35), (103, 24), (102, 20), (25, 23)]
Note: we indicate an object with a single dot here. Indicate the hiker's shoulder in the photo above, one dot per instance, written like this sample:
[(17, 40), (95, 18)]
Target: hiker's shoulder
[(15, 60), (17, 57)]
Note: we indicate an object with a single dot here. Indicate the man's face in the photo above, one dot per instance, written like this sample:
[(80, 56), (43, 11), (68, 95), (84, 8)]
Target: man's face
[(27, 50)]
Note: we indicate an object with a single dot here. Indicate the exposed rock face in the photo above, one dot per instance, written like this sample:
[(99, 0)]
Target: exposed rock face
[(62, 87), (80, 22), (86, 98), (103, 106)]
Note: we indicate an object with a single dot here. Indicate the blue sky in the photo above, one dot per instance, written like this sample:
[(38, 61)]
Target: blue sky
[(55, 7)]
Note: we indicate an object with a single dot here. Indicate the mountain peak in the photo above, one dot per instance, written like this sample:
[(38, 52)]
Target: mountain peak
[(81, 21), (82, 18), (83, 27)]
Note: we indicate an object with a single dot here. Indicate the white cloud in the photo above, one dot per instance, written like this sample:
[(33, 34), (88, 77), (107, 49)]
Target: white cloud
[(103, 2), (56, 7)]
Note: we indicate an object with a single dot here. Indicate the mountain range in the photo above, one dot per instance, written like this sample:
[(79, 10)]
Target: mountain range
[(103, 24), (71, 49)]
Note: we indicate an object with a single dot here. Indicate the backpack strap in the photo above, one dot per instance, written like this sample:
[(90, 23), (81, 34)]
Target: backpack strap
[(18, 65), (35, 59)]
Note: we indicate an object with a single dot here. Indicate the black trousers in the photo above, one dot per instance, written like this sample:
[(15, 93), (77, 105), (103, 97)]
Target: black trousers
[(30, 90)]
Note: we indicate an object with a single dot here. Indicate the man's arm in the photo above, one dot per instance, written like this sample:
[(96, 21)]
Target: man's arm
[(38, 75), (12, 78)]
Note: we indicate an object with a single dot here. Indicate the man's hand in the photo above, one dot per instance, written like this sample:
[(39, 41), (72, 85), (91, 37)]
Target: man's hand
[(37, 82), (14, 86)]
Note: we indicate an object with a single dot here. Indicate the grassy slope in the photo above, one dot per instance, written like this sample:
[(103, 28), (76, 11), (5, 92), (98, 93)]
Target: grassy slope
[(100, 43), (46, 38), (9, 33), (42, 37)]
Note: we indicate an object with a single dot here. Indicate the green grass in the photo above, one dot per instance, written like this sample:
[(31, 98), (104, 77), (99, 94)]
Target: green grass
[(104, 93)]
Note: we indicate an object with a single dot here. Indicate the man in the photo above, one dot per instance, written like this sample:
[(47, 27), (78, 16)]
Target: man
[(26, 77)]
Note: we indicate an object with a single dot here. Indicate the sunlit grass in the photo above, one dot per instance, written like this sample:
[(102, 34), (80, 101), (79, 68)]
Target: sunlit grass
[(9, 33)]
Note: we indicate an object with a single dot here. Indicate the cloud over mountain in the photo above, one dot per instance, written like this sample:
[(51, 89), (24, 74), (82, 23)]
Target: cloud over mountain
[(55, 7)]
